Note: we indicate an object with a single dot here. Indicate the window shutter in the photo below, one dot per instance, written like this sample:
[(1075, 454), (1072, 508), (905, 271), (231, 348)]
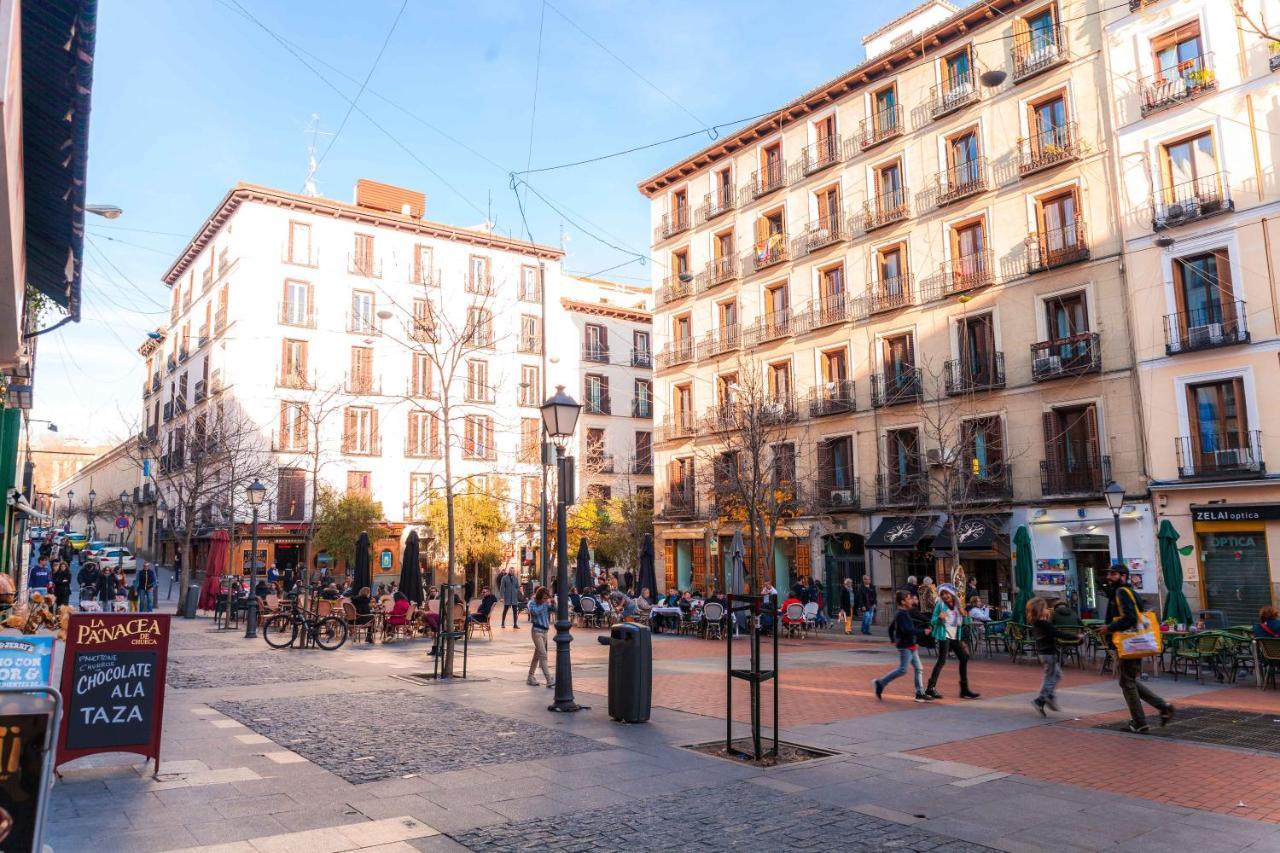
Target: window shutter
[(1095, 452), (304, 424), (348, 428), (1021, 37), (826, 474), (373, 431), (1226, 293), (284, 423), (1052, 458)]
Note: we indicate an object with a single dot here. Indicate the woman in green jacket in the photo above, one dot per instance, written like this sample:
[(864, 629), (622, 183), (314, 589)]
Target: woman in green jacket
[(948, 630)]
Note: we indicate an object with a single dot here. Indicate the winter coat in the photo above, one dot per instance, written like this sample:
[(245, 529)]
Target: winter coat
[(509, 589)]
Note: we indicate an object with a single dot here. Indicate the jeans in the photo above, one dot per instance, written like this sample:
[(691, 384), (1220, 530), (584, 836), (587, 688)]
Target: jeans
[(905, 657), (145, 603), (1135, 692), (515, 616), (868, 615), (962, 655), (539, 654), (1052, 675)]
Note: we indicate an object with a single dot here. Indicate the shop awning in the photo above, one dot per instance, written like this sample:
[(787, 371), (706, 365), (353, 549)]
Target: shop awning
[(976, 533), (900, 532)]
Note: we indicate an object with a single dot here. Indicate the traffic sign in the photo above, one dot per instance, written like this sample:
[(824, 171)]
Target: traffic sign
[(121, 522)]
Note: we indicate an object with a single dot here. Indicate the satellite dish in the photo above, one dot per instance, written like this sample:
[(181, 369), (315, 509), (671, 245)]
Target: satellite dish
[(993, 77)]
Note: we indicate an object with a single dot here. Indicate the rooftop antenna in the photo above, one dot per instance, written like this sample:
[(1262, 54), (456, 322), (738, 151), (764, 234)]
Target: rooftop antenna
[(309, 187)]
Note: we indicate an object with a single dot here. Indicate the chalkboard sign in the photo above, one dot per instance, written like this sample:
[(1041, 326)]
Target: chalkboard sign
[(113, 684)]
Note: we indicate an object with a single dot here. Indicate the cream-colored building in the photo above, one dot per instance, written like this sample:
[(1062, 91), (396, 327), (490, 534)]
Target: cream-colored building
[(1196, 87), (901, 235)]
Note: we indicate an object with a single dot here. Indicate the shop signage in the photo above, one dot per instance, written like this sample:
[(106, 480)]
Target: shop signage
[(1236, 512), (113, 684), (25, 661)]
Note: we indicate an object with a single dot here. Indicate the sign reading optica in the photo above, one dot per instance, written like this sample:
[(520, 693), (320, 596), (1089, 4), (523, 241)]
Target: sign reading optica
[(1236, 512)]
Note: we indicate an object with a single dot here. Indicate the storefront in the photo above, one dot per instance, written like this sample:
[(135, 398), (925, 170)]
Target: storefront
[(983, 545), (901, 546), (700, 559), (844, 556), (1235, 558)]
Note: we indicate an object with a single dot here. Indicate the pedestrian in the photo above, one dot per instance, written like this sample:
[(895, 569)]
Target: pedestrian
[(970, 589), (848, 605), (866, 599), (912, 587), (947, 627), (146, 582), (509, 589), (107, 590), (903, 633), (928, 595), (1046, 637), (1122, 612), (39, 579), (88, 579), (66, 553), (540, 621), (62, 583)]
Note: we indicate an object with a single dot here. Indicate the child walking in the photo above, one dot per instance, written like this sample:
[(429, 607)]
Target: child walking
[(1046, 637), (540, 621), (903, 634)]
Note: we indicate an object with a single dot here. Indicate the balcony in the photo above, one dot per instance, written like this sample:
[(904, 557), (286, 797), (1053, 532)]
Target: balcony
[(423, 448), (1170, 87), (1222, 324), (152, 431), (818, 235), (821, 154), (642, 358), (1039, 50), (994, 485), (1083, 476), (827, 311), (721, 418), (363, 265), (361, 445), (361, 384), (476, 392), (1192, 200), (294, 379), (180, 404), (951, 95), (895, 388), (642, 466), (718, 271), (674, 288), (881, 127), (597, 462), (597, 404), (167, 411), (172, 362), (672, 223), (425, 390), (1057, 247), (898, 489), (680, 352), (777, 409), (155, 382), (886, 209), (717, 203), (723, 340), (837, 494), (202, 391), (1220, 456), (676, 427), (769, 253), (1076, 355), (968, 272), (968, 376), (961, 181), (363, 324), (832, 398), (596, 353), (220, 320), (1048, 148), (480, 284), (890, 294), (641, 407), (289, 442), (298, 255), (770, 327), (427, 277), (202, 337), (769, 179), (681, 501)]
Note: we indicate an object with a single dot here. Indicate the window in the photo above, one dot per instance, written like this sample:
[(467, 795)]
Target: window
[(771, 166), (1219, 423), (780, 381), (1237, 577), (1048, 125), (291, 494), (529, 392), (293, 364), (419, 495), (1177, 53), (956, 73), (644, 453), (829, 209), (595, 456), (679, 266), (360, 380), (422, 376), (978, 367), (299, 249), (728, 317), (423, 436), (776, 305), (831, 286), (891, 264), (970, 266), (726, 390), (359, 483), (596, 344), (680, 208), (1066, 316), (480, 326), (1058, 219), (422, 270), (424, 321), (477, 438), (362, 321), (682, 404), (722, 190), (642, 406), (889, 192), (478, 390), (884, 112), (530, 334), (771, 237), (362, 262), (835, 368), (597, 394), (478, 279), (360, 431), (835, 469), (293, 425), (1186, 163), (983, 442), (1206, 307), (641, 353), (902, 458), (1073, 458), (530, 440), (530, 291), (899, 364), (530, 498), (297, 304)]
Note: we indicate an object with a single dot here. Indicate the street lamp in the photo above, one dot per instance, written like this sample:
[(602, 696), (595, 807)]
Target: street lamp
[(255, 493), (1114, 493), (125, 500), (70, 494), (560, 417), (91, 530), (106, 211)]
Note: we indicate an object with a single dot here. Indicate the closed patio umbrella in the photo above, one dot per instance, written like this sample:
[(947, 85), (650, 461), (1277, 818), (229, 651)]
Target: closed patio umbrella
[(737, 572), (582, 575), (647, 579), (411, 570), (360, 577), (1176, 606), (1022, 575), (214, 567)]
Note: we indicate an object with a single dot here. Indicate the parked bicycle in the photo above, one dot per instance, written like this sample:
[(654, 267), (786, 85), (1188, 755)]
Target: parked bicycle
[(285, 629)]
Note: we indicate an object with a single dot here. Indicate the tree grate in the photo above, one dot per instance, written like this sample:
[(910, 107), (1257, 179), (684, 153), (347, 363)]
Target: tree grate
[(1218, 727)]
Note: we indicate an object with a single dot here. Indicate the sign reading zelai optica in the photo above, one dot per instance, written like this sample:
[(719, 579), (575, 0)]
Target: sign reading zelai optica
[(1236, 512)]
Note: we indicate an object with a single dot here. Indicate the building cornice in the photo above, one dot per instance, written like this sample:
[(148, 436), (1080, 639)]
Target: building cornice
[(615, 312), (243, 192)]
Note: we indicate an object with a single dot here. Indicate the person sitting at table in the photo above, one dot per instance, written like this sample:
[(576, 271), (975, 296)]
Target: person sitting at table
[(1063, 615), (685, 602), (575, 600), (643, 605), (263, 589), (362, 601), (623, 604), (1268, 623), (977, 612), (672, 598), (487, 600), (331, 593)]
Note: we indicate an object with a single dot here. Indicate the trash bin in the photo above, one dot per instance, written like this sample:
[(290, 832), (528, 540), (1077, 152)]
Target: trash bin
[(191, 603), (630, 673)]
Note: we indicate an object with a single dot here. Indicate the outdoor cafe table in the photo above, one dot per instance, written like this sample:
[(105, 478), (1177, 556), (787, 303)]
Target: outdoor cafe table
[(666, 611)]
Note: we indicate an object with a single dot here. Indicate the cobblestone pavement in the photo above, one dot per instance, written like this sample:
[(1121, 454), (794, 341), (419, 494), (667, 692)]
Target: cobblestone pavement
[(320, 728), (740, 817), (186, 672)]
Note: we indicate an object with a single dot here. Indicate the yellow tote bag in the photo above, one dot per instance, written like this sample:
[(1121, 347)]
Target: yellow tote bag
[(1144, 641)]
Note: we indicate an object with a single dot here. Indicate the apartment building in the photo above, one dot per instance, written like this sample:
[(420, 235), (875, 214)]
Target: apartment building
[(602, 340), (919, 238), (1195, 85), (318, 320)]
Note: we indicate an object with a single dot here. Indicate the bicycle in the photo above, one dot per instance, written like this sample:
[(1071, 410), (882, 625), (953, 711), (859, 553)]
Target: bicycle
[(284, 629)]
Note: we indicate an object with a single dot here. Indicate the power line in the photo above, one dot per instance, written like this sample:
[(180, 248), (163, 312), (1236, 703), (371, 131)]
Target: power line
[(537, 75), (98, 250), (136, 245)]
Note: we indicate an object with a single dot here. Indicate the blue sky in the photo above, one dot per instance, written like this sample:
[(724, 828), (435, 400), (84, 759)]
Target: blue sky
[(190, 97)]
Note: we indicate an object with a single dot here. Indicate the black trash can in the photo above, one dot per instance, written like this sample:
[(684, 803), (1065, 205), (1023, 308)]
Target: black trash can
[(191, 603), (630, 673)]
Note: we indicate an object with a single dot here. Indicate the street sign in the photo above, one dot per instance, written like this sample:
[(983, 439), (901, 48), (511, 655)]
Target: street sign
[(121, 522)]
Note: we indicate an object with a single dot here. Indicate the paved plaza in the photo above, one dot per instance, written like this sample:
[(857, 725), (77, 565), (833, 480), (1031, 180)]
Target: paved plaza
[(312, 751)]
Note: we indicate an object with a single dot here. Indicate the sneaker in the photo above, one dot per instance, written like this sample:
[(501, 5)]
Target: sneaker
[(1052, 702), (879, 690), (1039, 704), (531, 681), (550, 685), (1138, 728), (932, 694), (969, 694), (923, 697), (1166, 715)]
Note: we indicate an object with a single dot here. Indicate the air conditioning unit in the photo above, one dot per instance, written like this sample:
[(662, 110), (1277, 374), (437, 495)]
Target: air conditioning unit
[(1231, 458), (934, 457), (1048, 364), (842, 497), (1209, 334)]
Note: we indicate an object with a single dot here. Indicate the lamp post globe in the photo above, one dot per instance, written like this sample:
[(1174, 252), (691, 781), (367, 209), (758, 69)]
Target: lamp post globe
[(124, 504), (560, 417), (560, 414), (254, 494), (1114, 495)]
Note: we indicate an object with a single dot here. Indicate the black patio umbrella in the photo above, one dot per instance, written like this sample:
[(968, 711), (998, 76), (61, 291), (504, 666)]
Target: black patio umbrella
[(410, 570), (582, 576), (647, 578), (361, 578)]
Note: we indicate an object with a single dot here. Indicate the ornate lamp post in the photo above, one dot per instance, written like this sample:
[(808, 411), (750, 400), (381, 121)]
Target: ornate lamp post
[(126, 501), (255, 493), (1114, 493), (90, 531), (67, 521), (560, 416)]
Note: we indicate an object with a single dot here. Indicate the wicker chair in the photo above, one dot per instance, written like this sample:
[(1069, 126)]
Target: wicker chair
[(794, 622), (1268, 660), (713, 620)]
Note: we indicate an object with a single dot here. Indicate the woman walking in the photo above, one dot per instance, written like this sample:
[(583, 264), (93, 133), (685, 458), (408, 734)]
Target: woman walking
[(1046, 638), (946, 627), (62, 584), (540, 621)]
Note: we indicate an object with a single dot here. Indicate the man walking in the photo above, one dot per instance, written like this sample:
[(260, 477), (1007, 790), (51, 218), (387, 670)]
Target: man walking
[(146, 583), (40, 577), (866, 600), (903, 634), (509, 589), (1122, 613)]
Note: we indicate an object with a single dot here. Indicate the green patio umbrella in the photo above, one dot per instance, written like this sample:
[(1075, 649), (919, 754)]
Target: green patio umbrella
[(1022, 575), (1175, 603)]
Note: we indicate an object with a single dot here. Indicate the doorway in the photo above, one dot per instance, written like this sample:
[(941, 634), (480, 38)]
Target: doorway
[(845, 557), (1090, 565)]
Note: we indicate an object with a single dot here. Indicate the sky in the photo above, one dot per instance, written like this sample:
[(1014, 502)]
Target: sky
[(191, 96)]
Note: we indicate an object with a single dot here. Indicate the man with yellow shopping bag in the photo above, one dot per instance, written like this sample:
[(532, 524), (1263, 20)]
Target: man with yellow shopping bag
[(1128, 636)]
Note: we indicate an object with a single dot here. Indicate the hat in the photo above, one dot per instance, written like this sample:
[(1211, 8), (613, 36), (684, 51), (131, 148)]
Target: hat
[(1120, 568), (946, 587)]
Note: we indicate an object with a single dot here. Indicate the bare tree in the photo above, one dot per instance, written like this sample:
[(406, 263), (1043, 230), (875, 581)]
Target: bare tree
[(305, 434)]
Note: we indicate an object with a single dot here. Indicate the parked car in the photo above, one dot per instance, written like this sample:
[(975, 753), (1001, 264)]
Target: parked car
[(37, 533), (79, 541), (94, 549), (115, 554)]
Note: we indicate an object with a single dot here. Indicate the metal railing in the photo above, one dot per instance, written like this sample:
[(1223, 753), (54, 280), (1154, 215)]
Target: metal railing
[(882, 126), (961, 180), (597, 353), (718, 271), (722, 340), (642, 466), (295, 379), (673, 289), (890, 294), (893, 389), (886, 209), (993, 484), (481, 285), (779, 409), (364, 266), (641, 358), (902, 489), (361, 324), (355, 444), (831, 398), (770, 327), (1222, 324), (837, 493), (477, 392), (719, 201), (968, 272), (819, 155), (772, 177), (676, 427), (953, 94), (1220, 455), (825, 311), (1039, 50), (1169, 87), (1056, 247), (1084, 476), (773, 251), (967, 376), (721, 418), (817, 235), (1188, 201), (1048, 147), (672, 223), (298, 257), (597, 404), (679, 352), (681, 500), (423, 330), (363, 384), (641, 407), (1075, 355)]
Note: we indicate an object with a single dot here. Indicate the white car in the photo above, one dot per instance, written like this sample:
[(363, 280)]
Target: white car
[(114, 555)]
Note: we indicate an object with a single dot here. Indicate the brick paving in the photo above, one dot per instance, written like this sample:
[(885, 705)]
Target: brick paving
[(416, 732), (186, 672), (740, 817)]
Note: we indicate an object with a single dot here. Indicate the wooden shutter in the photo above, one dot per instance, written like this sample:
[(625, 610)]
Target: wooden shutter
[(802, 567), (1226, 293), (669, 560), (1052, 457), (700, 565), (284, 423), (348, 428), (1021, 37), (1094, 459), (374, 446), (414, 430)]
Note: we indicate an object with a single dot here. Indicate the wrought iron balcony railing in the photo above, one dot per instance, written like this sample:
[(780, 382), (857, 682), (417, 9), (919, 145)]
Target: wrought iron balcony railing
[(953, 94), (882, 126), (672, 223), (1191, 200), (994, 484), (769, 179), (676, 427), (970, 375), (826, 231), (968, 272), (719, 201), (641, 358), (718, 271), (1222, 324), (679, 352), (1171, 86), (1076, 355), (722, 340), (831, 398), (1057, 247), (674, 288), (910, 488), (837, 493), (1087, 474), (826, 311), (890, 294), (596, 353), (1217, 455), (1049, 147), (961, 181), (886, 209), (770, 327), (821, 154), (773, 250), (892, 389), (1039, 50)]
